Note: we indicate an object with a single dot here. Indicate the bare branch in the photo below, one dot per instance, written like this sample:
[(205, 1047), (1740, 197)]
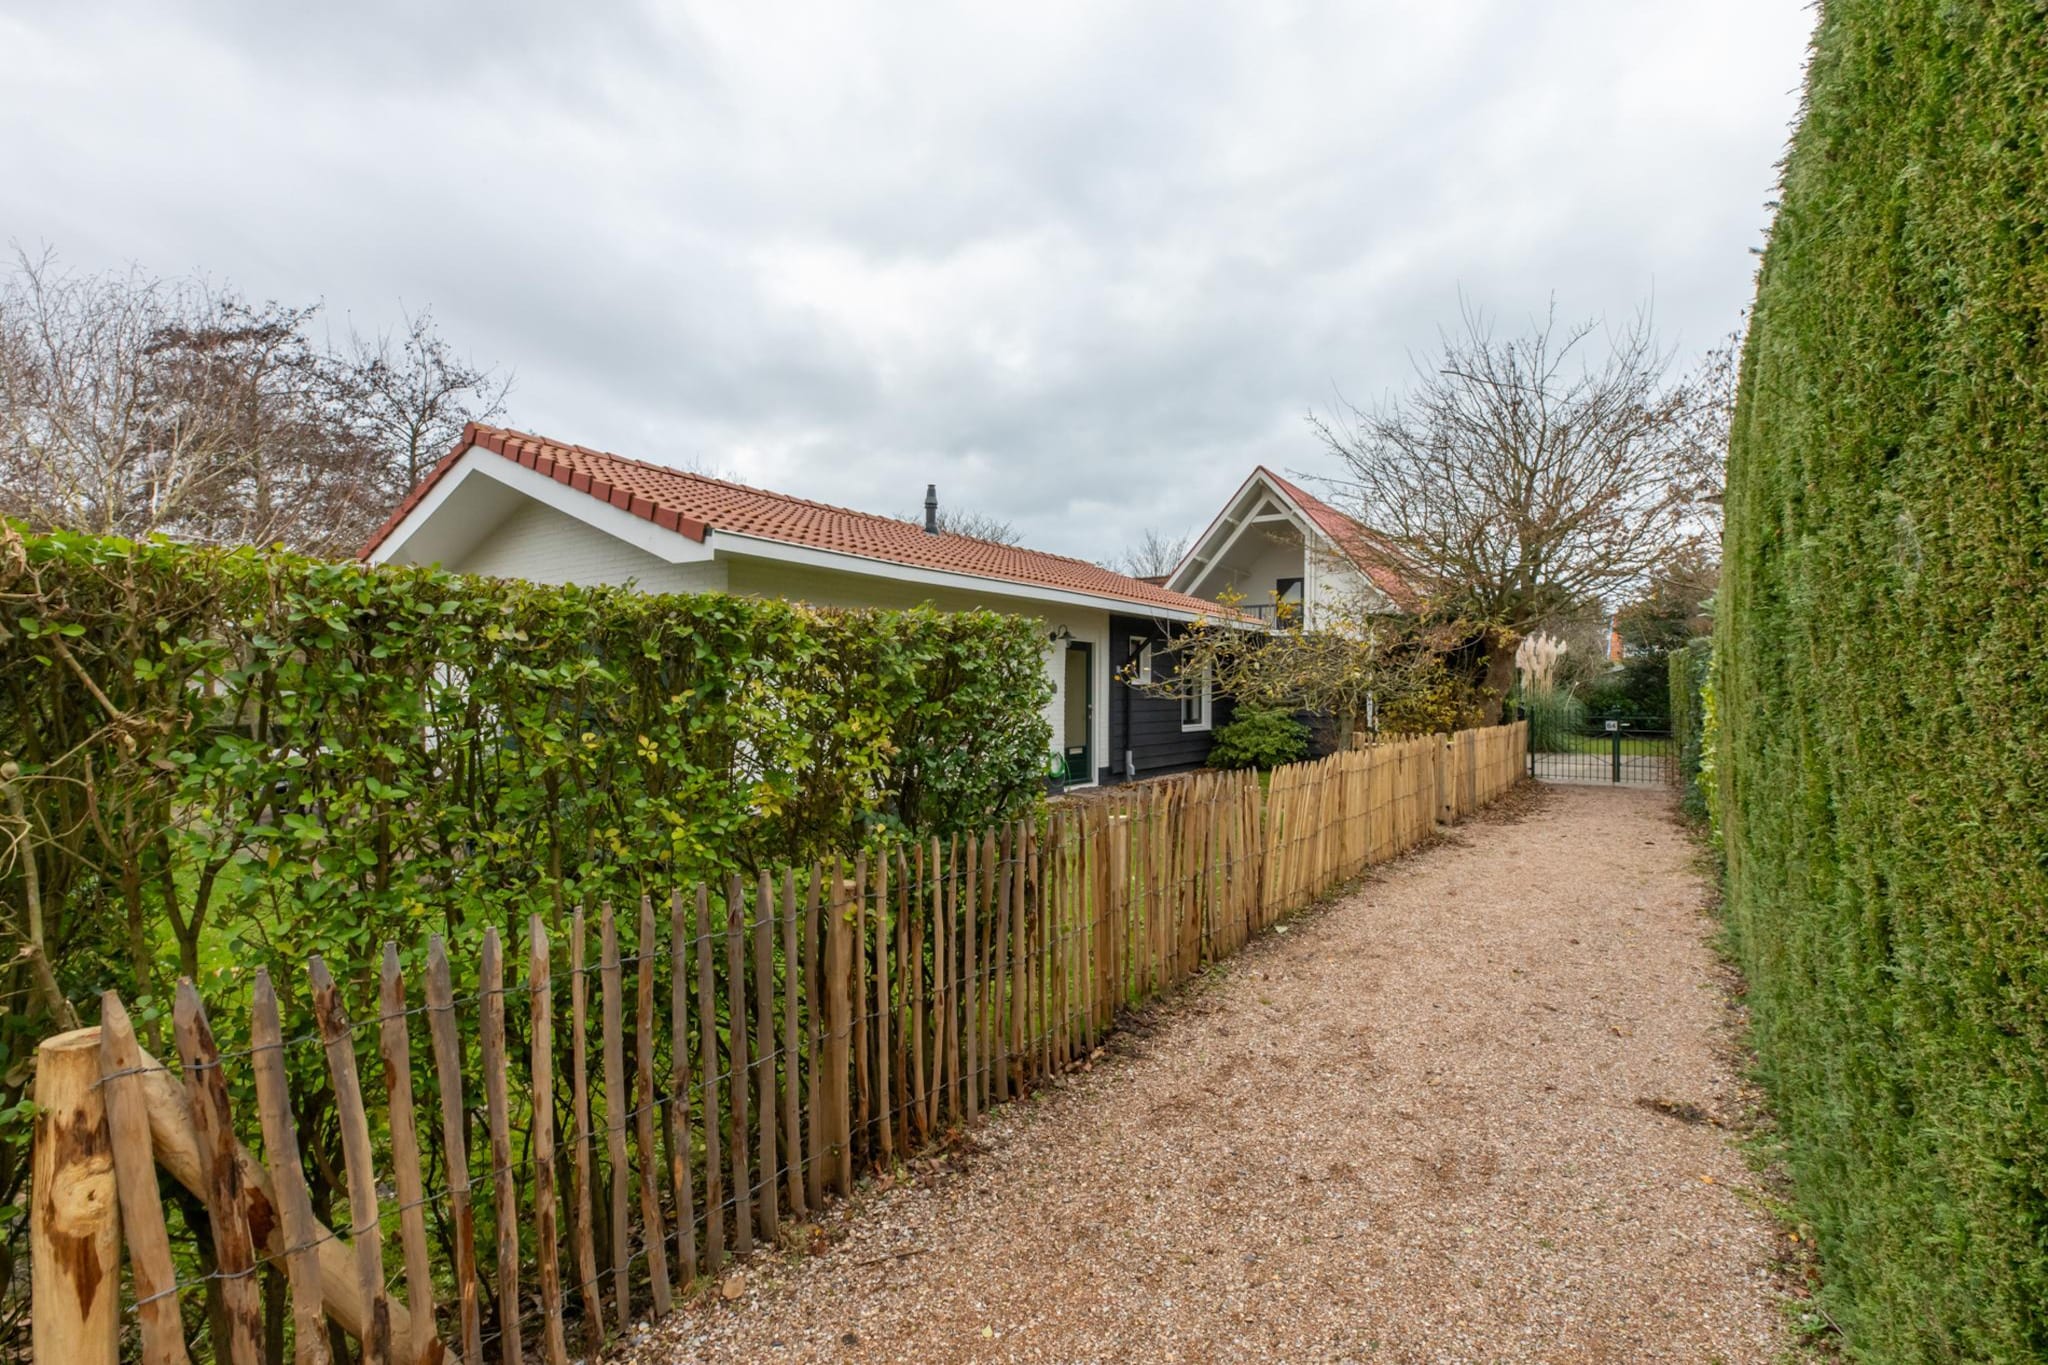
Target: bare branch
[(1153, 555), (137, 406), (1526, 477), (974, 525)]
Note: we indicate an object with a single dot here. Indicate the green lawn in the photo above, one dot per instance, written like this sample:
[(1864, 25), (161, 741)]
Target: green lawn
[(1632, 742)]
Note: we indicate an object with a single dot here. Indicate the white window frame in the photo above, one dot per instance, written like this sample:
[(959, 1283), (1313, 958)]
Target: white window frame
[(1199, 701)]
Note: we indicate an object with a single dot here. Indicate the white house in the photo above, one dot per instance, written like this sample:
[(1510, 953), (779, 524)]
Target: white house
[(513, 505), (1276, 544)]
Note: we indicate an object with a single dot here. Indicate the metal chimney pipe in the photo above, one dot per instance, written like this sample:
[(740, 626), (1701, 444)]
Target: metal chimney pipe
[(931, 509)]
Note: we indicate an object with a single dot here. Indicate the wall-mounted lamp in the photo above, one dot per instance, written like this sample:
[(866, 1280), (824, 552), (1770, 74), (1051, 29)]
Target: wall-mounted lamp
[(1060, 636)]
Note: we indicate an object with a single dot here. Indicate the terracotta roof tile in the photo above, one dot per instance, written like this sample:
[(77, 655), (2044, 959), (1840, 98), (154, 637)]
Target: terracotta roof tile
[(695, 505)]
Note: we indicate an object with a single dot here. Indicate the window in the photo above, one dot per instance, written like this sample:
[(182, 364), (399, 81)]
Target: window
[(1194, 704), (1287, 601)]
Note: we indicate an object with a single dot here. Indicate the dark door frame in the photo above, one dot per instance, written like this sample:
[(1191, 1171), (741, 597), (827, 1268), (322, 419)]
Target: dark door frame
[(1087, 745)]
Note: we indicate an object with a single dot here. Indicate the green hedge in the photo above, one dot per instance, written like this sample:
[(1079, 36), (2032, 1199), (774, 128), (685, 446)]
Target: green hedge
[(1688, 673), (1883, 685), (228, 758)]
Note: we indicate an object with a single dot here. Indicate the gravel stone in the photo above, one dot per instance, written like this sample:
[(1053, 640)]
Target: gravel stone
[(1475, 1110)]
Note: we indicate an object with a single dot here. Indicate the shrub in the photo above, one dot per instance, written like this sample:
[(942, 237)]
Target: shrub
[(1882, 694), (1688, 673), (1259, 739), (1554, 716), (1448, 704), (1639, 690)]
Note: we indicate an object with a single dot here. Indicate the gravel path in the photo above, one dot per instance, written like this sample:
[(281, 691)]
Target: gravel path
[(1469, 1113)]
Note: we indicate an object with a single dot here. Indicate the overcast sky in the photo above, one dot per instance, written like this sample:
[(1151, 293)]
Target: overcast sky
[(1083, 265)]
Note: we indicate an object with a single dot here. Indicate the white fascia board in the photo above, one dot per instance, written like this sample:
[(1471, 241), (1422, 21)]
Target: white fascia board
[(671, 547), (1231, 524), (757, 547), (1295, 519), (1194, 556), (1306, 523)]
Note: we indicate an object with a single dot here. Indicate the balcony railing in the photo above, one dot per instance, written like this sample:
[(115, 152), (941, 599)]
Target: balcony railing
[(1286, 615)]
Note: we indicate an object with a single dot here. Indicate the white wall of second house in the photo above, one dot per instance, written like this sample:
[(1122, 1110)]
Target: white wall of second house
[(1266, 553), (820, 587), (1263, 554)]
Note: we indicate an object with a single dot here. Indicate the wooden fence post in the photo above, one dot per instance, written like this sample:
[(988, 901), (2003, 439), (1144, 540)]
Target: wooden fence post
[(764, 1055), (74, 1228), (356, 1154), (792, 1059), (707, 1054), (816, 1093), (227, 1205), (454, 1141), (142, 1210), (839, 1025), (587, 1285), (738, 1149), (679, 1081), (654, 1232), (1446, 800), (287, 1175), (498, 1124), (540, 989), (615, 1106), (395, 1045)]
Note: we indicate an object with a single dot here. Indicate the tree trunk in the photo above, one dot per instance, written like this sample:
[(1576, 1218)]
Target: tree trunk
[(1500, 680)]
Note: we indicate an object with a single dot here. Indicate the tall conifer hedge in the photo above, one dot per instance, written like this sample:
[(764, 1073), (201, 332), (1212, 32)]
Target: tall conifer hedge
[(1884, 698)]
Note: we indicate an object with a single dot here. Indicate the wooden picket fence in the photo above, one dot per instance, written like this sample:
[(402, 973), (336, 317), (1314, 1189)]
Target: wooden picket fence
[(757, 1045)]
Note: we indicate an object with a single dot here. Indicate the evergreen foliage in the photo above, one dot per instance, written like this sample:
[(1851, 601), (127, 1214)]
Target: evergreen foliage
[(1883, 673), (1259, 739), (1688, 670)]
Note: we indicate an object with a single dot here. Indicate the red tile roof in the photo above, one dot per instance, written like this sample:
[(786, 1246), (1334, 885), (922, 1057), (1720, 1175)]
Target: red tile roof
[(1376, 559), (694, 505)]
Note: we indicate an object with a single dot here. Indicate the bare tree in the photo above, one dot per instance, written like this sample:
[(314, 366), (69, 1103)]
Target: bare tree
[(410, 396), (1709, 422), (286, 466), (84, 440), (1152, 555), (1526, 480), (135, 406), (974, 525)]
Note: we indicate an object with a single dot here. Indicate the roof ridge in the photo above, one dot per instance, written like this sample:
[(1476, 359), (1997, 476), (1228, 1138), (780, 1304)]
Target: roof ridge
[(758, 491)]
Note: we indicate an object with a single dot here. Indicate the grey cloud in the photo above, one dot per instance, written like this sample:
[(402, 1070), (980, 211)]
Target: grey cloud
[(1081, 265)]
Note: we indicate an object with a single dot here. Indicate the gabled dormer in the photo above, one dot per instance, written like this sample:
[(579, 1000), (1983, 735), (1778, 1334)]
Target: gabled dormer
[(1287, 554)]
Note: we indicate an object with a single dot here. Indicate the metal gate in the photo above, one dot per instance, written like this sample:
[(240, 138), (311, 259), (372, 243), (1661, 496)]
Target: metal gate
[(1631, 751)]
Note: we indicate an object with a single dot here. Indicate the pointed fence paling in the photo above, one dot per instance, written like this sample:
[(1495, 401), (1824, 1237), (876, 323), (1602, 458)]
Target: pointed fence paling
[(820, 1022)]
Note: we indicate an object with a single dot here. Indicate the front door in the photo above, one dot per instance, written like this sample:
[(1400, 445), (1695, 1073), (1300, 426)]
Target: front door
[(1078, 724)]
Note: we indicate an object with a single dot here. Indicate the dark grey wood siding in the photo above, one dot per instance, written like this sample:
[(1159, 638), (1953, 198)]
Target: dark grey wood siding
[(1147, 727)]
